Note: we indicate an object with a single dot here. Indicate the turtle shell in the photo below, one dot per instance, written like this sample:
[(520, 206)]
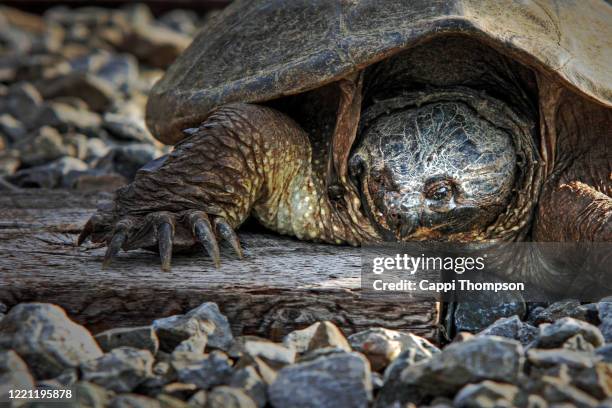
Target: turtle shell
[(256, 51)]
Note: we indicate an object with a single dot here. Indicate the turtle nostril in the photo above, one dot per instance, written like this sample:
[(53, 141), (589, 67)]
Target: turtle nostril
[(408, 225)]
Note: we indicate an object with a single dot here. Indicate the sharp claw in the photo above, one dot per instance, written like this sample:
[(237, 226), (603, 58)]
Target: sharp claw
[(227, 233), (85, 233), (164, 239), (205, 235), (114, 247)]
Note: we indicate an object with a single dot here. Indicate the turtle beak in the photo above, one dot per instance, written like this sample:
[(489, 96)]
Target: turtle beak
[(358, 171), (404, 213), (395, 218)]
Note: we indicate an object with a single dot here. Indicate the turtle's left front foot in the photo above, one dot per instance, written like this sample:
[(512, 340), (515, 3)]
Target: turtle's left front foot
[(164, 231)]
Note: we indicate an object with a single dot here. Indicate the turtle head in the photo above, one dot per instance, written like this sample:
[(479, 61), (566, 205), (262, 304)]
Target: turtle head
[(434, 171)]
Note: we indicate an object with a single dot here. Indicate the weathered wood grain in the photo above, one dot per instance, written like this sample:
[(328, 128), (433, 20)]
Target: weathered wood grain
[(282, 284)]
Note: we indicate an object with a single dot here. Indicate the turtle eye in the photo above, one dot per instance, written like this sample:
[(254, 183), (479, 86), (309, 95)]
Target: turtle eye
[(439, 190)]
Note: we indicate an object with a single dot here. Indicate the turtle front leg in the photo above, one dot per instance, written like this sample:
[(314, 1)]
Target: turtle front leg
[(574, 212), (244, 159), (576, 202)]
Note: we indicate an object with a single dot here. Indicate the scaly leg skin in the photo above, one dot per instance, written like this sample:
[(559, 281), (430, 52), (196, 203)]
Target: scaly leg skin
[(243, 160), (575, 204), (576, 201)]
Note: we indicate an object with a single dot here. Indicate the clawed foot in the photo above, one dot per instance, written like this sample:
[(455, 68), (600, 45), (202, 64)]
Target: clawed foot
[(163, 231)]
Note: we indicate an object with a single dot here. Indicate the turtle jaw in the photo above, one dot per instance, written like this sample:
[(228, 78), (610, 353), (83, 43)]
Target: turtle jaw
[(404, 216), (392, 223)]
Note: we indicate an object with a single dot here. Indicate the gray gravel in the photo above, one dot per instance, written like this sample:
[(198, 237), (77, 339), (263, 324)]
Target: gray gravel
[(172, 363), (75, 75)]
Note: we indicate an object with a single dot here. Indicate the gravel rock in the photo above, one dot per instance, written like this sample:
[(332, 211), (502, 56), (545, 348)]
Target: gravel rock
[(138, 14), (126, 128), (120, 370), (11, 127), (168, 401), (154, 44), (273, 354), (49, 175), (221, 337), (68, 73), (46, 339), (66, 118), (91, 395), (9, 162), (43, 146), (606, 330), (22, 101), (554, 357), (605, 404), (178, 390), (300, 339), (486, 394), (533, 313), (120, 71), (382, 346), (596, 381), (193, 345), (605, 353), (558, 310), (328, 335), (482, 358), (142, 337), (72, 101), (251, 383), (96, 149), (556, 391), (76, 145), (405, 359), (172, 330), (591, 313), (14, 374), (203, 320), (267, 373), (421, 350), (555, 334), (377, 381), (229, 397), (512, 328), (182, 21), (97, 93), (477, 314), (604, 308), (68, 377), (317, 383), (36, 67), (578, 343), (198, 399), (127, 160), (203, 371), (133, 401)]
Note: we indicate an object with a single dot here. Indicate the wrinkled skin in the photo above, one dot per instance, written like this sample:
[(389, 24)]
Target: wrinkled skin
[(434, 172), (453, 143)]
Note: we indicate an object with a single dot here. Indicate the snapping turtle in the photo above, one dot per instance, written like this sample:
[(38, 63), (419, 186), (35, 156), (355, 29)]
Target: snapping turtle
[(359, 121)]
